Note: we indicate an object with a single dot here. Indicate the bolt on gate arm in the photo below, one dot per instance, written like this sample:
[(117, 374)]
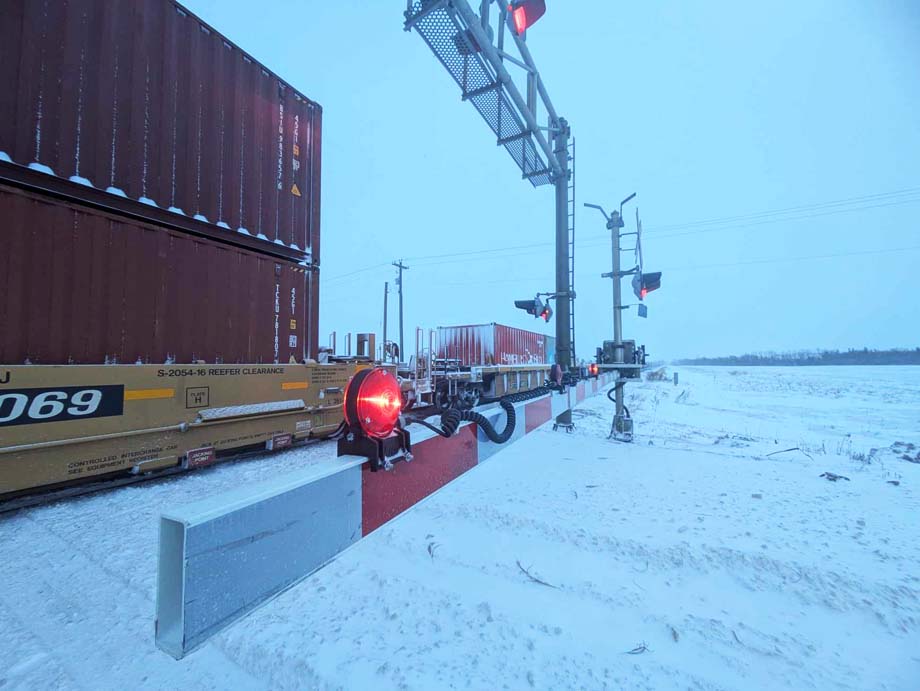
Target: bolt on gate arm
[(463, 42)]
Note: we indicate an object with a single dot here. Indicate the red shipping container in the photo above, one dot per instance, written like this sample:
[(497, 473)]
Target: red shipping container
[(83, 286), (491, 344), (145, 101)]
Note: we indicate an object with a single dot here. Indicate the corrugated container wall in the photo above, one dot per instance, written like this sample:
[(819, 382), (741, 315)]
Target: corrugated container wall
[(144, 100), (491, 344), (85, 287)]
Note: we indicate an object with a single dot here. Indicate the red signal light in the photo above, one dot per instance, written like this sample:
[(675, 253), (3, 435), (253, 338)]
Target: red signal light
[(643, 293), (520, 20), (592, 369), (525, 13), (373, 401)]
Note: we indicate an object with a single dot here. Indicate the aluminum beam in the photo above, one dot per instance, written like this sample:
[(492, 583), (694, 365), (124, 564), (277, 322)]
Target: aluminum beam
[(221, 557)]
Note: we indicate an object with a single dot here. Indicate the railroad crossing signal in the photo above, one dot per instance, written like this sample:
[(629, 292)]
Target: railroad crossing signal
[(536, 307), (643, 284), (525, 13)]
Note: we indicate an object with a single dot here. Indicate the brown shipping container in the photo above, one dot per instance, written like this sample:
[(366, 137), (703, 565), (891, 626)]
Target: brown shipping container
[(82, 286), (491, 344), (144, 100)]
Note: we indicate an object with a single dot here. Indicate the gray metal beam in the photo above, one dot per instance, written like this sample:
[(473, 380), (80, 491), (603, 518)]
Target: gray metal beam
[(467, 95), (221, 557), (528, 58), (516, 137), (489, 51)]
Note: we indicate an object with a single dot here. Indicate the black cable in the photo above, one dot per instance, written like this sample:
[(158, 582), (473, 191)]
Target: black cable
[(486, 425), (452, 417), (339, 431), (611, 390)]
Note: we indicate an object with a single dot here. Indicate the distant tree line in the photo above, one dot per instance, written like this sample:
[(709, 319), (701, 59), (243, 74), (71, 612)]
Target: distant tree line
[(865, 356)]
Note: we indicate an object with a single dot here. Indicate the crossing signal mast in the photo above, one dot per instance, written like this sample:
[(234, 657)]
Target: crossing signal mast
[(476, 49), (623, 354)]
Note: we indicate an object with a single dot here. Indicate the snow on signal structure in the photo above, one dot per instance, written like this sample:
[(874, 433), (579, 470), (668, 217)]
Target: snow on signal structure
[(373, 403), (525, 13)]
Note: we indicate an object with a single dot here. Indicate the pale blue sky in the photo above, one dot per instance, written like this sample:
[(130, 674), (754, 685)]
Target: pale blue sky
[(708, 110)]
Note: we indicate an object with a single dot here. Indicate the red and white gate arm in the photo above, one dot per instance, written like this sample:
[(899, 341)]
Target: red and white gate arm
[(222, 557)]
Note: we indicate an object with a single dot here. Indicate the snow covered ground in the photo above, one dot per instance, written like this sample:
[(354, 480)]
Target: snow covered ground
[(692, 558)]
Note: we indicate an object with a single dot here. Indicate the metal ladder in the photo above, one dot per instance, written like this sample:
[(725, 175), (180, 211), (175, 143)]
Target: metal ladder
[(571, 214)]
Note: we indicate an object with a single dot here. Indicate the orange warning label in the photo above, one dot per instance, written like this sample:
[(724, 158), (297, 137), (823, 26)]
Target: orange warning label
[(294, 190)]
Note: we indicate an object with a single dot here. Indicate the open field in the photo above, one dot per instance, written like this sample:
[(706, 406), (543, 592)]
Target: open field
[(709, 554)]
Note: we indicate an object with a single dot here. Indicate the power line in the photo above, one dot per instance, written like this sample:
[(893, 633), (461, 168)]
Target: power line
[(783, 260), (791, 209), (356, 272), (802, 217), (689, 228), (773, 260), (597, 240)]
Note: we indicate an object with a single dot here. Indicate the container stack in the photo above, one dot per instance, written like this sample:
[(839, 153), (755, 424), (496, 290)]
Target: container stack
[(491, 344), (159, 192)]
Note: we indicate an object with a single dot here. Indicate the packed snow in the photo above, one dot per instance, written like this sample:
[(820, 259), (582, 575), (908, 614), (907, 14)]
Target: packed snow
[(714, 552)]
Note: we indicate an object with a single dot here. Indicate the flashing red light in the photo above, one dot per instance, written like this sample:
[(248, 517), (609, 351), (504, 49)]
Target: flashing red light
[(374, 400), (592, 369), (525, 13), (643, 293), (520, 20), (546, 314)]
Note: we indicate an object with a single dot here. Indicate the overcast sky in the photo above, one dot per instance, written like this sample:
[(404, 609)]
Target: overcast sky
[(709, 111)]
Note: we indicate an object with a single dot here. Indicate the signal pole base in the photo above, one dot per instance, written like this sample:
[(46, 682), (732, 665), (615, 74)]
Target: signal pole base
[(622, 428), (567, 426)]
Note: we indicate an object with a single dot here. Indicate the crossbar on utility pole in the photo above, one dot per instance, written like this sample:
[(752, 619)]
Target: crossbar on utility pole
[(402, 267), (386, 292)]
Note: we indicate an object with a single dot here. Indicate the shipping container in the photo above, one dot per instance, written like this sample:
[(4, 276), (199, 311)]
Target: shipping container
[(146, 101), (491, 344), (83, 286)]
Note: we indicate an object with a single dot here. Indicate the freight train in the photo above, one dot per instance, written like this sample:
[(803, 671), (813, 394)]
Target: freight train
[(159, 285)]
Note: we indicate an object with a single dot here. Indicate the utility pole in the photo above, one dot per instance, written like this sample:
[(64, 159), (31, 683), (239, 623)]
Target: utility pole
[(563, 279), (399, 265), (386, 292)]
